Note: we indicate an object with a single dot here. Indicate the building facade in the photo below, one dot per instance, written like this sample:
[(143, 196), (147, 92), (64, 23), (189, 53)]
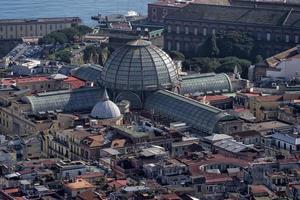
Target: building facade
[(14, 29), (187, 28)]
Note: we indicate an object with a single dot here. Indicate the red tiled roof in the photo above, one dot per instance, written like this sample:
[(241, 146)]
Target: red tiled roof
[(216, 178), (213, 98), (11, 190), (74, 82), (90, 175), (170, 197), (21, 80), (258, 189), (118, 183), (249, 94), (269, 98), (215, 159)]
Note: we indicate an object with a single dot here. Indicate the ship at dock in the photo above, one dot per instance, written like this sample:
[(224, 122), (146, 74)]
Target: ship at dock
[(130, 16)]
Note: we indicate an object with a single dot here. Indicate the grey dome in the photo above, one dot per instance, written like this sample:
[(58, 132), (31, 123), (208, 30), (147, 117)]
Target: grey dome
[(105, 109), (139, 66)]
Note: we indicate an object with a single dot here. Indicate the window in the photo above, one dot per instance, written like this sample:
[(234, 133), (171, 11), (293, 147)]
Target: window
[(213, 31), (296, 39), (154, 17), (169, 29), (195, 31), (204, 31), (268, 36), (154, 10), (50, 27), (11, 28), (165, 11), (21, 28), (41, 27), (1, 28), (177, 29), (186, 30), (31, 28), (287, 38), (177, 46), (186, 47), (258, 36), (169, 45)]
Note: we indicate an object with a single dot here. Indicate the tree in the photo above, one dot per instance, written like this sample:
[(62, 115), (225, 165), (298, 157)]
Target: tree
[(227, 67), (228, 64), (104, 55), (212, 48), (66, 35), (234, 43), (258, 59), (64, 56), (203, 65)]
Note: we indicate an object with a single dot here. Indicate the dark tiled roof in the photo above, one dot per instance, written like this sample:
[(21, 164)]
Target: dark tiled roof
[(236, 14)]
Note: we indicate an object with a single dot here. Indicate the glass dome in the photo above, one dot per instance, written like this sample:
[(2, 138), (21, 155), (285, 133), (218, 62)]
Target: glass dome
[(139, 66)]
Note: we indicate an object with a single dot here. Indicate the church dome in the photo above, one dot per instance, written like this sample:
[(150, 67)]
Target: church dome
[(105, 109), (139, 66)]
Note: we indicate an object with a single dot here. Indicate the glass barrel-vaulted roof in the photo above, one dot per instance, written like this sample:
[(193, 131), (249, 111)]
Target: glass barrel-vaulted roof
[(88, 73), (68, 100), (206, 83), (139, 66), (177, 107)]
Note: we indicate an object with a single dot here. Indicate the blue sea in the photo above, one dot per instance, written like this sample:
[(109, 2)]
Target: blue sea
[(11, 9)]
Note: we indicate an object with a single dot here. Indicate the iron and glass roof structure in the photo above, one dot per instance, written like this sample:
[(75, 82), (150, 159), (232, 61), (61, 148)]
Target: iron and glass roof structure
[(208, 83), (88, 73), (65, 100), (139, 66), (177, 107)]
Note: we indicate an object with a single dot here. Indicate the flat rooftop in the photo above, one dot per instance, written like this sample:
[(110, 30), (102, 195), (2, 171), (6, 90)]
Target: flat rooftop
[(129, 130), (40, 20), (264, 126)]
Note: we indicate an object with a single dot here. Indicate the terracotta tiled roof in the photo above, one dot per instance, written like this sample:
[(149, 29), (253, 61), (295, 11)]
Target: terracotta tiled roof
[(118, 143), (21, 80), (276, 59), (118, 183), (90, 175), (269, 98), (74, 82), (258, 189), (79, 184)]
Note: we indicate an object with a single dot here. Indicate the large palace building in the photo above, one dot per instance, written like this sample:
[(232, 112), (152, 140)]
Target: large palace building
[(13, 29), (187, 28)]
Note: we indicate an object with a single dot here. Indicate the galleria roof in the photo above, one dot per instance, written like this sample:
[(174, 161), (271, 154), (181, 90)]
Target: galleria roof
[(206, 83), (88, 73), (180, 108), (66, 100), (139, 66)]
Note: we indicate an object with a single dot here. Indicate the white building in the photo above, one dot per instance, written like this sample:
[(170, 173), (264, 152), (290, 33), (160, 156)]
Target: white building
[(284, 65)]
